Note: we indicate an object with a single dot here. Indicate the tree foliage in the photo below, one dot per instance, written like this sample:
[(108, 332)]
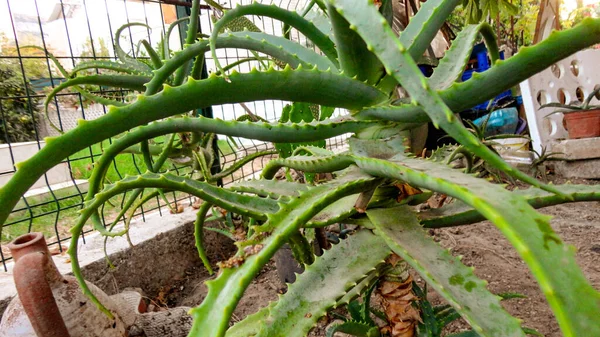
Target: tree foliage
[(19, 113)]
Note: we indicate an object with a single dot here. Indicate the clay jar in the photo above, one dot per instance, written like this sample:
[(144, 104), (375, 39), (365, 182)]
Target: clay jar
[(50, 304)]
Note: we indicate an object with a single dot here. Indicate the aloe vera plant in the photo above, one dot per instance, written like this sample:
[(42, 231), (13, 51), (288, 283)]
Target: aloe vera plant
[(358, 70)]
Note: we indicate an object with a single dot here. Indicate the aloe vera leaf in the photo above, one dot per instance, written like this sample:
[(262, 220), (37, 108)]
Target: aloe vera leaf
[(308, 163), (128, 206), (424, 26), (269, 188), (192, 32), (400, 229), (211, 318), (487, 85), (306, 55), (342, 209), (323, 283), (335, 212), (354, 58), (80, 90), (359, 288), (301, 249), (232, 65), (242, 204), (239, 163), (250, 326), (574, 302), (133, 82), (132, 198), (191, 124), (98, 178), (372, 27), (144, 199), (458, 213), (199, 234), (108, 65), (154, 58), (231, 40), (292, 18), (165, 39), (354, 328), (312, 150), (233, 202), (292, 85), (469, 333), (453, 64), (122, 55)]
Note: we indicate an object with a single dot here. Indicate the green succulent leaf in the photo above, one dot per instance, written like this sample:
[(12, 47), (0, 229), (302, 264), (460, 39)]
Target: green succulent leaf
[(354, 328), (550, 260), (400, 229), (426, 23), (380, 38), (212, 316), (487, 85), (122, 55), (323, 283), (294, 85), (354, 57), (293, 19), (455, 60), (251, 325), (458, 213)]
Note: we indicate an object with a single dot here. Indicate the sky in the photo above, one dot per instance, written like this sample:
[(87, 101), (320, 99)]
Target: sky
[(569, 5)]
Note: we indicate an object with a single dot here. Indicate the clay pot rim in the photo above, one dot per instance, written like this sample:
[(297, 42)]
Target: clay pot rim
[(582, 113), (25, 240)]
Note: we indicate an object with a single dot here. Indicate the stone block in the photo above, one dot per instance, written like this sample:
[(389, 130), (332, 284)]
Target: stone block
[(586, 169), (578, 149)]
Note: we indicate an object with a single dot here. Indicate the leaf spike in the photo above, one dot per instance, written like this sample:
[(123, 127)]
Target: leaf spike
[(113, 109), (47, 140)]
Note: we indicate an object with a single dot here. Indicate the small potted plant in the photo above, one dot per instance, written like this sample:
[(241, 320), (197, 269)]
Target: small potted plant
[(581, 120)]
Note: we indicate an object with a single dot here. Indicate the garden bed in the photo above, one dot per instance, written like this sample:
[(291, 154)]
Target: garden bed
[(481, 245), (175, 276)]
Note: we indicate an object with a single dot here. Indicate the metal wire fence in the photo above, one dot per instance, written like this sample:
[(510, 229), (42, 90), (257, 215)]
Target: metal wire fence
[(74, 31)]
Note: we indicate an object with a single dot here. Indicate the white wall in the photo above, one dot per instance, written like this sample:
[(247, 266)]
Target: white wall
[(23, 151)]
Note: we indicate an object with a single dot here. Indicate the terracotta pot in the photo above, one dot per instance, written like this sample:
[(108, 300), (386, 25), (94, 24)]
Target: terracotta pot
[(585, 124), (50, 304)]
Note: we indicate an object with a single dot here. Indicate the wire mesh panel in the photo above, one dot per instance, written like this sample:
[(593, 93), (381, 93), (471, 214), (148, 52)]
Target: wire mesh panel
[(75, 31)]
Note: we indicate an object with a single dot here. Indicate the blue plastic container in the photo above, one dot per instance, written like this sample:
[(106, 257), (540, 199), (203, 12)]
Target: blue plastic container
[(481, 55), (502, 121)]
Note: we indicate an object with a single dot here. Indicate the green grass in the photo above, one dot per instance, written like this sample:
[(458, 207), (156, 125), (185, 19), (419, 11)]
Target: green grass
[(124, 164), (226, 147), (42, 215)]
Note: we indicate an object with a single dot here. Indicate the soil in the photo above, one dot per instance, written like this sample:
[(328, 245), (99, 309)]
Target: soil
[(481, 245), (485, 248)]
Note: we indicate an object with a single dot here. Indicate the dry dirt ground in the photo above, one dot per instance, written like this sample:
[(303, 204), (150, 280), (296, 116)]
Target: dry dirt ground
[(481, 245)]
